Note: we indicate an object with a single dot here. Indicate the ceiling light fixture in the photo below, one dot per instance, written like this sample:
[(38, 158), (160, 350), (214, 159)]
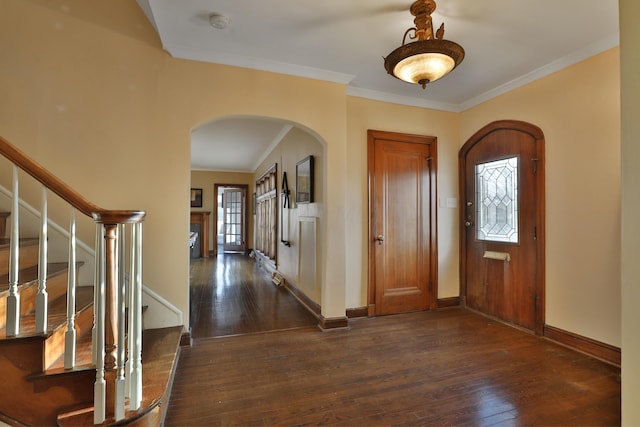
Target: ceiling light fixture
[(430, 57)]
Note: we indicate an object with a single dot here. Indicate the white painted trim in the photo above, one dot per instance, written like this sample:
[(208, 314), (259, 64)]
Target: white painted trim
[(254, 63), (557, 65), (331, 76), (222, 170), (153, 320), (402, 100), (148, 12)]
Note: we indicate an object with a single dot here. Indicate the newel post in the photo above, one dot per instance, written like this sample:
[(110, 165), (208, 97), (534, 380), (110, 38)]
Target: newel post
[(110, 389), (111, 314)]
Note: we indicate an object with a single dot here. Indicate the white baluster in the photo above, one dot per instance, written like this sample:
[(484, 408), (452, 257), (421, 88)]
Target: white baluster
[(13, 299), (99, 388), (130, 335), (70, 333), (120, 306), (135, 328), (96, 281), (42, 297)]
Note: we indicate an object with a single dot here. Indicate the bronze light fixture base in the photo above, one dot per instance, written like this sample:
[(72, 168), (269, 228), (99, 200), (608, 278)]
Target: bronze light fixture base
[(429, 57)]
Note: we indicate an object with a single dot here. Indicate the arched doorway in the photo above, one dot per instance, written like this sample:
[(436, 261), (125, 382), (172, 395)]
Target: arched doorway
[(242, 150)]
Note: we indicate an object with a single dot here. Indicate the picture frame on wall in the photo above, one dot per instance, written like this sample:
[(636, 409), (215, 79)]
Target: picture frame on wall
[(196, 197), (304, 180)]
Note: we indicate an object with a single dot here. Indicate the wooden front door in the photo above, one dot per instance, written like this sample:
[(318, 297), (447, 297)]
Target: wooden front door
[(402, 245), (502, 223)]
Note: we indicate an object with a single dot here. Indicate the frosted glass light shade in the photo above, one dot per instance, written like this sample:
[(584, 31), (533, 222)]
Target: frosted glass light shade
[(424, 61), (425, 66)]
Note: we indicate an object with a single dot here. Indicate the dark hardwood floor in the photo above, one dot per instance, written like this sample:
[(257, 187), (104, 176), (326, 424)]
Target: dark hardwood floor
[(442, 368), (231, 295)]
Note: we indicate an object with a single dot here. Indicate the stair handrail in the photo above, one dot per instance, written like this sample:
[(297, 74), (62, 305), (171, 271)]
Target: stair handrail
[(63, 190), (109, 223)]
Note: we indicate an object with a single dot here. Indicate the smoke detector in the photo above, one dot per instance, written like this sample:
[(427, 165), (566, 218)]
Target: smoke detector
[(218, 20)]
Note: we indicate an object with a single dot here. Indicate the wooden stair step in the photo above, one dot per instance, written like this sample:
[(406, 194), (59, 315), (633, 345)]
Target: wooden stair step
[(21, 359), (3, 223), (84, 358), (28, 257), (160, 352), (56, 287), (30, 274), (56, 316)]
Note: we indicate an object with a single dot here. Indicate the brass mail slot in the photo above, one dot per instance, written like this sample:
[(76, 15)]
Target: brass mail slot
[(502, 256)]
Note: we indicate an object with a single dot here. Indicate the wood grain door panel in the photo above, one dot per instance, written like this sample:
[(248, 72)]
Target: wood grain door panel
[(401, 222)]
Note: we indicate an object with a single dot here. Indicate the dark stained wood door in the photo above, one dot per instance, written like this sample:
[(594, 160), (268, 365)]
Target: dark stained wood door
[(402, 226), (502, 215)]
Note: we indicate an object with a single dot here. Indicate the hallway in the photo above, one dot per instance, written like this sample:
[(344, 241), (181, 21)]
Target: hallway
[(231, 295)]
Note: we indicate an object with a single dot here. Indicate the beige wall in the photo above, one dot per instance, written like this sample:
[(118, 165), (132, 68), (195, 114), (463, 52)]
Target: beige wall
[(89, 86), (630, 62), (206, 181), (365, 114), (295, 146), (578, 110)]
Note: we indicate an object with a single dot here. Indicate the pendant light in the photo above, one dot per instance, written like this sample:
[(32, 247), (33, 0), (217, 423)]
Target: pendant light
[(428, 58)]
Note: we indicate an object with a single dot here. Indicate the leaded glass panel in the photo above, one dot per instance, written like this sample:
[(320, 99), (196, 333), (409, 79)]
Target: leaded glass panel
[(497, 200)]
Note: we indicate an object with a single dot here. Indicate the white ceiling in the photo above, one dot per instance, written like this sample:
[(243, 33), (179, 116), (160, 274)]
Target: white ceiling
[(507, 43)]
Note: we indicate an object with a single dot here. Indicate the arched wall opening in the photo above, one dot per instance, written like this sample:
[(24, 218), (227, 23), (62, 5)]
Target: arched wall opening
[(238, 150)]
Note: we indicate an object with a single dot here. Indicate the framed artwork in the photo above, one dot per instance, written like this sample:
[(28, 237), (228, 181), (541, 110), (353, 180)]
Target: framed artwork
[(304, 180), (196, 197)]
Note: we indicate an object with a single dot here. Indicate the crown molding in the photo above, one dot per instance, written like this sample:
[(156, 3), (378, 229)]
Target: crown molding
[(402, 100), (550, 68), (255, 63)]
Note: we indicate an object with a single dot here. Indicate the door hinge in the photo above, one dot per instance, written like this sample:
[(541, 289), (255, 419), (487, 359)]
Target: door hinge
[(535, 233), (430, 285), (535, 165)]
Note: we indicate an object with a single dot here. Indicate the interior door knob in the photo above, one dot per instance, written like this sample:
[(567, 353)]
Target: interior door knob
[(380, 239)]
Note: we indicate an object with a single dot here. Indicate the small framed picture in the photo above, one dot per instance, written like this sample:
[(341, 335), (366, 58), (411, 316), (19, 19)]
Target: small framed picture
[(304, 180), (196, 197)]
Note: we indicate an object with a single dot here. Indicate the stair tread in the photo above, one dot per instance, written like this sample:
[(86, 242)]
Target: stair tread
[(160, 350), (30, 274), (24, 241), (84, 358), (56, 316)]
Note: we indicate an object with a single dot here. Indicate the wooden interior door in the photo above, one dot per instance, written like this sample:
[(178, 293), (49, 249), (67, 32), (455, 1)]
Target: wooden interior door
[(502, 216), (402, 249)]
